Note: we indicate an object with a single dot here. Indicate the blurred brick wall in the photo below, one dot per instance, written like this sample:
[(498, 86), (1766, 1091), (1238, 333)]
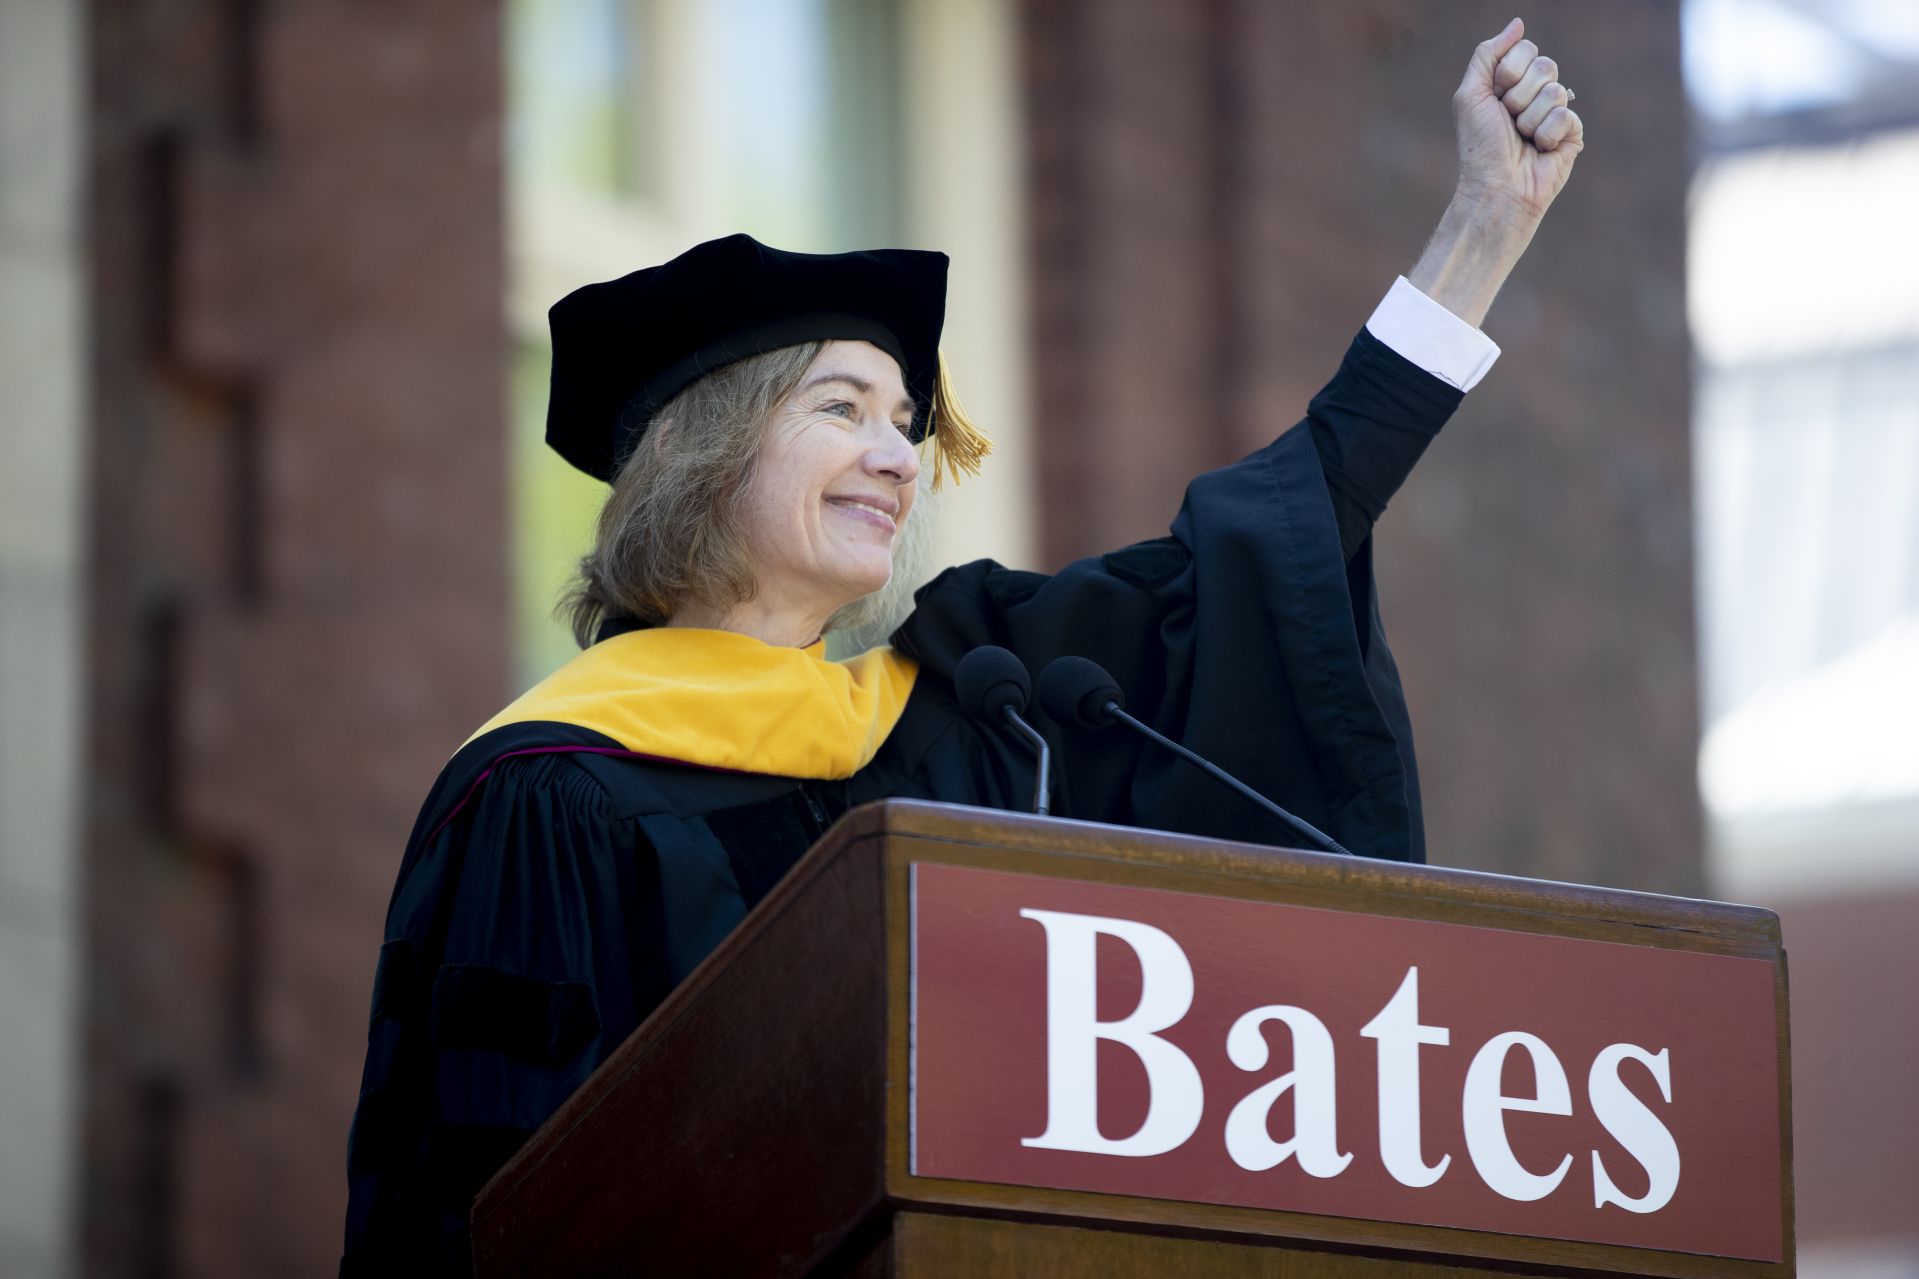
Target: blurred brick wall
[(1220, 192), (297, 598)]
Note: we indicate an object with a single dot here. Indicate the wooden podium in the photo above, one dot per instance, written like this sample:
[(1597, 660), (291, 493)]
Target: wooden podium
[(802, 1103)]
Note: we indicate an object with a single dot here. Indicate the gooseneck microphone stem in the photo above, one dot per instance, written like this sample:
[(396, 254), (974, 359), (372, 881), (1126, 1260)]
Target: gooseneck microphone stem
[(1043, 774), (992, 686), (1319, 837)]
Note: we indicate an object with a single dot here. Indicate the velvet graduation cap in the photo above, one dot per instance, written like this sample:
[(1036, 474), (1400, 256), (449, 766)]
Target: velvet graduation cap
[(623, 348)]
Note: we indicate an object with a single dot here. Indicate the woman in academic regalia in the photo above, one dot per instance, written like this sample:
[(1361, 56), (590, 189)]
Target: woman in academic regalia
[(759, 416)]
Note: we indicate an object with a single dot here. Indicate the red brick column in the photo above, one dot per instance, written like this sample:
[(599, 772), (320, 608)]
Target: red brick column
[(1219, 193), (298, 597)]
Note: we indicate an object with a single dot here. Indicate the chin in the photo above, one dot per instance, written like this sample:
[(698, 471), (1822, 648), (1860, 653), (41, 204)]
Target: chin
[(869, 584), (860, 580)]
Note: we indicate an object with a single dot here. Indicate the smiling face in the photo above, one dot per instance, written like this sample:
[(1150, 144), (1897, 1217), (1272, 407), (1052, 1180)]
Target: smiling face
[(833, 485)]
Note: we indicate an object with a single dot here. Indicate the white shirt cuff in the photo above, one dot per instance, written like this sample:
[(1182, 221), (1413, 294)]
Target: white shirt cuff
[(1432, 337)]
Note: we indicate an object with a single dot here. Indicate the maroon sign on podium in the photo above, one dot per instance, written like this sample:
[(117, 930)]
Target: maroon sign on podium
[(1178, 1046)]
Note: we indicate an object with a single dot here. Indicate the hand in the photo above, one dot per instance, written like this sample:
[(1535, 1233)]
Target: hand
[(1517, 137)]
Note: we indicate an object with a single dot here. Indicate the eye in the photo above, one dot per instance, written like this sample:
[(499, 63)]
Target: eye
[(905, 428), (843, 408)]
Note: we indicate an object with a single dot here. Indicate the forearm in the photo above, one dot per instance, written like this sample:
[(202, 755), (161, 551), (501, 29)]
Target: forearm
[(1478, 242)]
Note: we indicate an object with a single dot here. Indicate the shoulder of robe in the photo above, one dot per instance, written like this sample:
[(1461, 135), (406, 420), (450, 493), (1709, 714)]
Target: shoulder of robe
[(480, 762), (561, 756), (641, 787), (568, 781)]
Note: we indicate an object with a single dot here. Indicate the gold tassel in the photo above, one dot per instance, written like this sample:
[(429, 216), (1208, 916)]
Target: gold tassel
[(957, 443)]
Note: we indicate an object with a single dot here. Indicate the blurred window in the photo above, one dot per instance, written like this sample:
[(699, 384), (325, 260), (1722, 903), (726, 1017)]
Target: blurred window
[(577, 71), (1804, 297), (638, 128)]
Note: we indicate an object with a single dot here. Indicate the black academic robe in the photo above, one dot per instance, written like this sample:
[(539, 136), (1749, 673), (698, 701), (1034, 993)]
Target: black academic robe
[(554, 889)]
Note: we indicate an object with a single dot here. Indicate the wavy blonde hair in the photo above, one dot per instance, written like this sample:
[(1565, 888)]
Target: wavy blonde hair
[(673, 528)]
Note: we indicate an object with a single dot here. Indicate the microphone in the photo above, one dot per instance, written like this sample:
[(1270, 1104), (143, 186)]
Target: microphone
[(993, 687), (1079, 693)]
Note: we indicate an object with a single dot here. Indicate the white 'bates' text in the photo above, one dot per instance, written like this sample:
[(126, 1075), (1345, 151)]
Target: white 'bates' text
[(1176, 1096)]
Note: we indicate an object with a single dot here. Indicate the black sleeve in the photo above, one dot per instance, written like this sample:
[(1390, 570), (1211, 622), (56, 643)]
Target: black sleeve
[(1365, 454), (1249, 634), (522, 944)]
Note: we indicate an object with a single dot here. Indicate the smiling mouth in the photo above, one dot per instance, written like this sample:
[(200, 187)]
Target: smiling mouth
[(868, 508)]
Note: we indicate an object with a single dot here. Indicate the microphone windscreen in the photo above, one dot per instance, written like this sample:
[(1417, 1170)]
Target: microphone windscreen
[(1076, 690), (988, 680)]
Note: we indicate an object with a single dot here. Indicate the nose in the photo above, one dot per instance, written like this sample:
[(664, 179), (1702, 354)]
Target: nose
[(894, 458)]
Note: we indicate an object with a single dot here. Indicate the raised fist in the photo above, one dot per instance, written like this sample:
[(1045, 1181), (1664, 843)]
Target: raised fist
[(1518, 138)]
